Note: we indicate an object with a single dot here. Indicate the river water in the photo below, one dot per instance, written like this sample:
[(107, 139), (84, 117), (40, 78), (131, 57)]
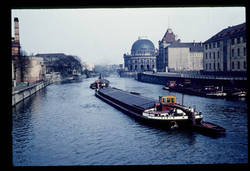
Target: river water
[(65, 124)]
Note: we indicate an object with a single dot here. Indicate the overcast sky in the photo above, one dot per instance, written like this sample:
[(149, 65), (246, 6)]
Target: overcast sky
[(103, 35)]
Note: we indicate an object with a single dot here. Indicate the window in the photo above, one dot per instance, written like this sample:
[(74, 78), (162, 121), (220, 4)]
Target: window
[(238, 51), (218, 66), (218, 54), (172, 100), (238, 64), (232, 53), (206, 66), (206, 55), (213, 45), (209, 66), (206, 46), (214, 66), (168, 100), (209, 45), (232, 65), (238, 40), (214, 55), (209, 55), (142, 67), (218, 44), (232, 41)]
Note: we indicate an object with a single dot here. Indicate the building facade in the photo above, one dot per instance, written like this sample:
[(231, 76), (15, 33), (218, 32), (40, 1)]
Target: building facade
[(177, 56), (142, 57), (24, 68), (62, 63), (226, 51), (184, 56), (162, 61), (15, 54), (34, 69)]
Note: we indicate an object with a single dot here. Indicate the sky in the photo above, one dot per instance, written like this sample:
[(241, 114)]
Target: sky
[(103, 35)]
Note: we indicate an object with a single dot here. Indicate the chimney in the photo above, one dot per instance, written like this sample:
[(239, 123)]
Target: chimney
[(16, 25)]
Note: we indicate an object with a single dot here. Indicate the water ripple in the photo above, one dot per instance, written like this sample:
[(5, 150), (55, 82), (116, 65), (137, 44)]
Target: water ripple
[(67, 125)]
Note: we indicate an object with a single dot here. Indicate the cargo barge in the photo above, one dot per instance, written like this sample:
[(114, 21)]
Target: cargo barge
[(166, 111)]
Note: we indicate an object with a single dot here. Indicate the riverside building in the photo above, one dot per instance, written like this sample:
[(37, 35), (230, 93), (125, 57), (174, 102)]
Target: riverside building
[(226, 50), (177, 56), (24, 68), (142, 57)]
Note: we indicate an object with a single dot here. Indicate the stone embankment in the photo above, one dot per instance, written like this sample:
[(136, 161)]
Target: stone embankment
[(27, 91), (198, 80)]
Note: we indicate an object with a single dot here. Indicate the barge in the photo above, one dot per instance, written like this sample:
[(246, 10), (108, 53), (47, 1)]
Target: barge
[(209, 128), (166, 111)]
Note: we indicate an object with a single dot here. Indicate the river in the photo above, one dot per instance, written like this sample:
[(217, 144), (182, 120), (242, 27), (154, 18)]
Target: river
[(65, 124)]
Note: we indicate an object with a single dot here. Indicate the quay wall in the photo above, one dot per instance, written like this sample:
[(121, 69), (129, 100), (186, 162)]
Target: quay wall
[(19, 95), (202, 81)]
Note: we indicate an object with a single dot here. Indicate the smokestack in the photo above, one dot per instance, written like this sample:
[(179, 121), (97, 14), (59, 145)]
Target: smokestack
[(16, 25)]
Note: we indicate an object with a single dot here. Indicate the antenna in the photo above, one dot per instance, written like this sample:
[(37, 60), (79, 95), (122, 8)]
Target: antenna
[(169, 22)]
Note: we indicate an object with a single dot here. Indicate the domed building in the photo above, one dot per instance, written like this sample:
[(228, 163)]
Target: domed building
[(142, 57)]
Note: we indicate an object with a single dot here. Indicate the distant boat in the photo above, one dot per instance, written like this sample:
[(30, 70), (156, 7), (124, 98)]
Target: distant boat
[(100, 83), (216, 94)]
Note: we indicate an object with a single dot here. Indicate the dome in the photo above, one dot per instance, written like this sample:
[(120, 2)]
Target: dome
[(143, 47)]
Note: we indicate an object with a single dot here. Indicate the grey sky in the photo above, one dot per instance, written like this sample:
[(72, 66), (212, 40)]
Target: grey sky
[(102, 36)]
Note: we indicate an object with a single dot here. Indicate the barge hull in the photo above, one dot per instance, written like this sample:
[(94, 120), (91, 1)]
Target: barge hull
[(139, 117), (135, 105)]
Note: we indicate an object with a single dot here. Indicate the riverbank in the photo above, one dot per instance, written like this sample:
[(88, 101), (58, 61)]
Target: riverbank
[(22, 93), (199, 85)]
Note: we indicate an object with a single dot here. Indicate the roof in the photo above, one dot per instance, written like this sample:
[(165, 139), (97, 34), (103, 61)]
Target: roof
[(194, 47), (142, 46), (169, 36), (48, 55), (229, 32)]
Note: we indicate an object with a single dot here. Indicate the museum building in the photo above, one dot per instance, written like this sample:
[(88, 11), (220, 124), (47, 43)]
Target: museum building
[(142, 57)]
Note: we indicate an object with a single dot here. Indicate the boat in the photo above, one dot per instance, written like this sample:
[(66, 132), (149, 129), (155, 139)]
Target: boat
[(100, 83), (216, 94), (210, 128), (237, 93), (166, 111)]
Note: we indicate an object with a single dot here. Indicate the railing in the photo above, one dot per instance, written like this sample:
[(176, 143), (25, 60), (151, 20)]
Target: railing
[(198, 76)]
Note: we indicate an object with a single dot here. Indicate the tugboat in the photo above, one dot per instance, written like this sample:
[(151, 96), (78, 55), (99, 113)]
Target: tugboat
[(166, 111), (100, 83)]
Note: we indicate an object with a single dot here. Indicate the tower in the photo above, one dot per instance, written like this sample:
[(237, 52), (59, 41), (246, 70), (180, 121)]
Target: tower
[(16, 26)]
